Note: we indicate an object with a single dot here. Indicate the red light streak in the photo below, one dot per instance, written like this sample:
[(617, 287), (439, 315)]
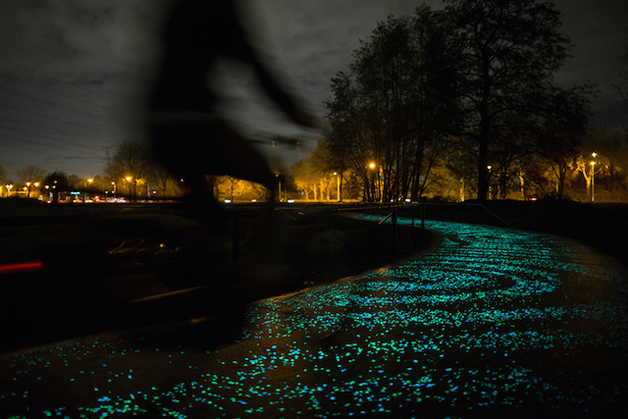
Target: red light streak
[(21, 267)]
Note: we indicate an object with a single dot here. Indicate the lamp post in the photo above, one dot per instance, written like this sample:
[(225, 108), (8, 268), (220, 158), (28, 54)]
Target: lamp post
[(373, 166), (278, 184), (461, 189), (592, 181), (87, 181), (131, 187), (594, 155), (337, 186), (490, 190)]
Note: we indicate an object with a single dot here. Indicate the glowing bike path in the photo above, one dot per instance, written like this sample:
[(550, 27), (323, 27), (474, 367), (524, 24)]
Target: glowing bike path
[(492, 322)]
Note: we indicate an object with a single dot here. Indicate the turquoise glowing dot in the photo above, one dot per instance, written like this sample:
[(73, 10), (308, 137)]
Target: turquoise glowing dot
[(412, 334)]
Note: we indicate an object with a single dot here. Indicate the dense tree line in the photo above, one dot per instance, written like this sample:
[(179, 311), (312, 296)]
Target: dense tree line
[(390, 114), (469, 88)]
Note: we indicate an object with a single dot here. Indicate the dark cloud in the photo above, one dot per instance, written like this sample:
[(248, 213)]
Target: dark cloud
[(74, 72)]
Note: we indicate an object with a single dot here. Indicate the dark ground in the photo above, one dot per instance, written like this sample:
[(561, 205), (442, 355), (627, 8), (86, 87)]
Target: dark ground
[(102, 263), (493, 323)]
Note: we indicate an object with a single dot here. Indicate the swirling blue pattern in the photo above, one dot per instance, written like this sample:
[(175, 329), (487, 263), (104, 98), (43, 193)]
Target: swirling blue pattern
[(492, 321)]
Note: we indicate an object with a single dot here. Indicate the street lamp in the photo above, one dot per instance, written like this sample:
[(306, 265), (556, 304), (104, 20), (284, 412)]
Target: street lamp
[(337, 185), (131, 187), (377, 181), (594, 155), (490, 191), (90, 180), (278, 184), (592, 181), (372, 166)]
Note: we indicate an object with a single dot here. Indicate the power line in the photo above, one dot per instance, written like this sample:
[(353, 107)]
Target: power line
[(48, 76), (49, 129), (42, 115), (40, 144)]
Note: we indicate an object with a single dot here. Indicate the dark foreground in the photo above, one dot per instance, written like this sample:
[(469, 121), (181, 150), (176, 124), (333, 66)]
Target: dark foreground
[(106, 267), (492, 323)]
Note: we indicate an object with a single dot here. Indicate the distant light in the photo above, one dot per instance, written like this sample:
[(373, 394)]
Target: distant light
[(532, 199), (227, 201), (290, 201), (253, 200), (408, 200)]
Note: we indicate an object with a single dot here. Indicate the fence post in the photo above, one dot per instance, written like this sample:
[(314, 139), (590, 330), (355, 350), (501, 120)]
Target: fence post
[(394, 230), (423, 216), (235, 236)]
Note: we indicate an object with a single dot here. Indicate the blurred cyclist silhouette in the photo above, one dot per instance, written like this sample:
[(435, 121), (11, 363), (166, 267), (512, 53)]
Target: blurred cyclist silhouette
[(188, 137)]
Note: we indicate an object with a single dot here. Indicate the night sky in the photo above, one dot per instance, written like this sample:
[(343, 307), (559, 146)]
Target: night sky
[(74, 73)]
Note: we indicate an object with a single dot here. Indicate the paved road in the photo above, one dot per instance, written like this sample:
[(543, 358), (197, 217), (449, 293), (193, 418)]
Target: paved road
[(492, 322)]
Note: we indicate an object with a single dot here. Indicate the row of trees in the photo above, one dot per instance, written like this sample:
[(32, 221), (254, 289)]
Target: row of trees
[(537, 174), (35, 182), (131, 161), (129, 173), (470, 89)]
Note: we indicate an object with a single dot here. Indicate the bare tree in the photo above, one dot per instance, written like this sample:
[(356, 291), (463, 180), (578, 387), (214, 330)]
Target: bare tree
[(396, 102), (130, 163), (31, 177), (509, 53)]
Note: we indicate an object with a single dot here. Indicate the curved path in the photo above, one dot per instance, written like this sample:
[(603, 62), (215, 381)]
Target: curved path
[(492, 322)]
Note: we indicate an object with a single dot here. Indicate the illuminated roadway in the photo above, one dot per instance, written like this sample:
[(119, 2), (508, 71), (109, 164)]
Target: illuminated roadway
[(491, 322)]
